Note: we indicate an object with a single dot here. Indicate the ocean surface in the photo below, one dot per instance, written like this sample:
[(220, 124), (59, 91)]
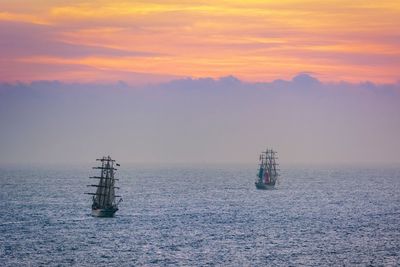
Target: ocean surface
[(202, 216)]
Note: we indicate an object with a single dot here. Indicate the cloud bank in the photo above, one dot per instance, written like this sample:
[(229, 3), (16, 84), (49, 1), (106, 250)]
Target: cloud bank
[(200, 121)]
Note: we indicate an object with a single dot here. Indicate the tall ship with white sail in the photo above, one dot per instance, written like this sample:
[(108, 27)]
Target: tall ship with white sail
[(268, 172), (105, 202)]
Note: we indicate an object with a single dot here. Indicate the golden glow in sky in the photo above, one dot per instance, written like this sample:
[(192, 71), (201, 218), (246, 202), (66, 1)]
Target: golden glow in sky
[(139, 41)]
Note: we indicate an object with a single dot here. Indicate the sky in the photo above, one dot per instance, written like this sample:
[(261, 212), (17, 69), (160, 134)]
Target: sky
[(143, 42), (204, 120), (199, 81)]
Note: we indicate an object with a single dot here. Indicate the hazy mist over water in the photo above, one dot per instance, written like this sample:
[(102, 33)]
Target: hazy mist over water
[(200, 121), (202, 215)]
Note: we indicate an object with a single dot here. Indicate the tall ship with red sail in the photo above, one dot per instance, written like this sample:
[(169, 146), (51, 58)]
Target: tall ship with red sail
[(268, 172), (105, 202)]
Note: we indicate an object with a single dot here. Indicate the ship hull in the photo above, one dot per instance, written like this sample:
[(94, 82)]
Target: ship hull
[(104, 212), (263, 186)]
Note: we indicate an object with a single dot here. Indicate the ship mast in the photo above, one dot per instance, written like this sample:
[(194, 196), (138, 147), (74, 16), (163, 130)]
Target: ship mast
[(105, 192), (270, 164), (268, 172), (271, 155)]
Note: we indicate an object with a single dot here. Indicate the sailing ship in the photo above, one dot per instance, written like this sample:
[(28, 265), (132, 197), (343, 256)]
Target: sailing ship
[(268, 172), (104, 199)]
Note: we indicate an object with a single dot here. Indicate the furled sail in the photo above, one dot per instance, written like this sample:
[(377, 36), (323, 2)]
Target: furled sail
[(104, 199), (267, 173)]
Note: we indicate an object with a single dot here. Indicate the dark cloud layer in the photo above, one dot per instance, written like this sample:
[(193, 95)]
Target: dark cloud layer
[(201, 120)]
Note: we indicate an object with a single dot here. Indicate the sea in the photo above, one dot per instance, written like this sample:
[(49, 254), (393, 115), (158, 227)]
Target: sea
[(202, 215)]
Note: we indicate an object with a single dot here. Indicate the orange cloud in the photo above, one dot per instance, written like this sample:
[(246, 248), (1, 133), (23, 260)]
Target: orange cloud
[(254, 40), (17, 17)]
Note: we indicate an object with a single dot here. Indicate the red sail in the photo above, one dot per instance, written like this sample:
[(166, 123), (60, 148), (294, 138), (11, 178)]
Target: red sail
[(266, 178)]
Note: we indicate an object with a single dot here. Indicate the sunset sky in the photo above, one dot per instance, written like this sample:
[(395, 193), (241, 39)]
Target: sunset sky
[(199, 81), (153, 41)]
